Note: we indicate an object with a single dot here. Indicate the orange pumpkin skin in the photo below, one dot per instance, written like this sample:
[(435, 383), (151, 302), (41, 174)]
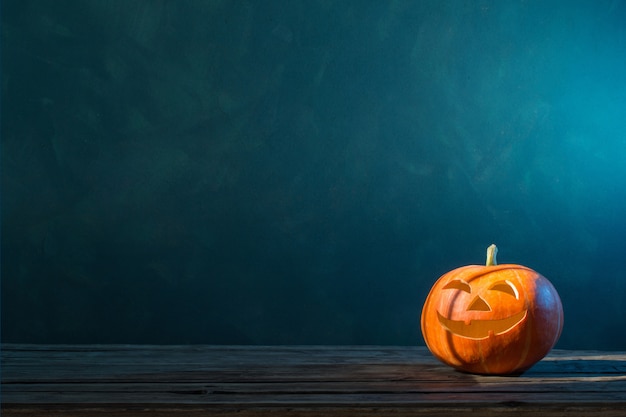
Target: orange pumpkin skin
[(495, 320)]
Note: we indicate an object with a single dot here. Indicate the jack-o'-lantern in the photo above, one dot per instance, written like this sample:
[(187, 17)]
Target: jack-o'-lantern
[(492, 319)]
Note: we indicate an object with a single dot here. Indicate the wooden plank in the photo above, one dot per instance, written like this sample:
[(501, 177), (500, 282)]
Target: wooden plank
[(296, 380)]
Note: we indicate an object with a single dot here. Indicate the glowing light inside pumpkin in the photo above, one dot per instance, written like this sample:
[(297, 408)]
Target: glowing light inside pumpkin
[(482, 329)]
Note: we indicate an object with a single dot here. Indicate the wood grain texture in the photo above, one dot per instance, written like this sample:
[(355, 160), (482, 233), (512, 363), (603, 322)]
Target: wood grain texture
[(132, 380)]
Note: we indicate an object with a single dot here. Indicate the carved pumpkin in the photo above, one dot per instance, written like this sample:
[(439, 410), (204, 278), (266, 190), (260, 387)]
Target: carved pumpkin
[(493, 319)]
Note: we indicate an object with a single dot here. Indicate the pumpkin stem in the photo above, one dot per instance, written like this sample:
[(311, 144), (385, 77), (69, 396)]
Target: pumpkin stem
[(492, 251)]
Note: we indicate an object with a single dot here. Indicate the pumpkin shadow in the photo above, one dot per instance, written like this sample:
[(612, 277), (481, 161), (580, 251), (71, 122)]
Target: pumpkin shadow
[(594, 365)]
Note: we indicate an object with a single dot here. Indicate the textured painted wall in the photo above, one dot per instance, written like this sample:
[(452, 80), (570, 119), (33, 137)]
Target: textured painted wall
[(303, 171)]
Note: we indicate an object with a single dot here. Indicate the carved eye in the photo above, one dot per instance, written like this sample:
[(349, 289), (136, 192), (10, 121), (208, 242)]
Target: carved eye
[(457, 284), (505, 287)]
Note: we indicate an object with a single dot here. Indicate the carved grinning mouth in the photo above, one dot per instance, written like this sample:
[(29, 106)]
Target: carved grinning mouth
[(481, 329)]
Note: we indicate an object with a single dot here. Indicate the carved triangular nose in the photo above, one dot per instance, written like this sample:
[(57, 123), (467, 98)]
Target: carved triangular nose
[(478, 304)]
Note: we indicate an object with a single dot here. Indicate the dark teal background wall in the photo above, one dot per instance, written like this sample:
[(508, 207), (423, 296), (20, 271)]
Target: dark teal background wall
[(303, 171)]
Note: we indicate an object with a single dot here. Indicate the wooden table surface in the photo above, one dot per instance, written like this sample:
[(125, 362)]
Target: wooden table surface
[(133, 380)]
